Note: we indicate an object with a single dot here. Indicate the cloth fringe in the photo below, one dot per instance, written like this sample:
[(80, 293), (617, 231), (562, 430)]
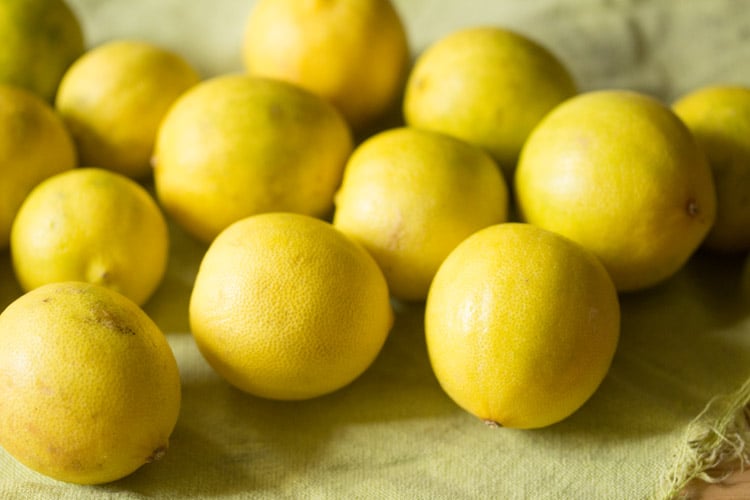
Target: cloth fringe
[(719, 436)]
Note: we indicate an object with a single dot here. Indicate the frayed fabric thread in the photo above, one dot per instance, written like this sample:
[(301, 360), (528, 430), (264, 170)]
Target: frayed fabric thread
[(718, 437)]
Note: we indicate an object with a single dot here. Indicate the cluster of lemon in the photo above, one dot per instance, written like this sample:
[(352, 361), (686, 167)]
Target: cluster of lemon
[(513, 206)]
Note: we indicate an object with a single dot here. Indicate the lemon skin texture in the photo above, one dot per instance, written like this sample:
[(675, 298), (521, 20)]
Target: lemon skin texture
[(92, 225), (90, 387), (287, 307), (236, 145), (618, 172), (521, 325), (409, 196), (488, 86)]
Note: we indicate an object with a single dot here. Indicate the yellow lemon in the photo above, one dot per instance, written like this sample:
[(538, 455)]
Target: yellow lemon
[(113, 99), (237, 145), (34, 144), (39, 39), (89, 384), (410, 196), (521, 325), (619, 173), (287, 307), (488, 86), (354, 54), (91, 225), (719, 118)]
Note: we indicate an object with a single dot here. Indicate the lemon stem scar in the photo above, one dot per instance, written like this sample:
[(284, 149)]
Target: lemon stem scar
[(157, 454), (692, 207)]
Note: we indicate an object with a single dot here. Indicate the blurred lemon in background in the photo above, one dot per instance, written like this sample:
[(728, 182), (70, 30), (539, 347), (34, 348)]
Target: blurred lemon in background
[(91, 225), (353, 53), (521, 325), (34, 144), (618, 172), (90, 386), (719, 118), (285, 306), (488, 86), (238, 145), (410, 196), (113, 99), (39, 39)]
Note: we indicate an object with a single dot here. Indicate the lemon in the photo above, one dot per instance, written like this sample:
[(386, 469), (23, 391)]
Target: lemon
[(410, 196), (521, 325), (39, 39), (89, 384), (719, 118), (113, 99), (486, 85), (286, 307), (91, 225), (236, 145), (354, 54), (618, 172), (34, 144)]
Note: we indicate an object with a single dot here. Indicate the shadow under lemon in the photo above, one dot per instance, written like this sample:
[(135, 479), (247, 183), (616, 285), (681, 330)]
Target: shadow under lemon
[(227, 441), (10, 290), (168, 306), (681, 343)]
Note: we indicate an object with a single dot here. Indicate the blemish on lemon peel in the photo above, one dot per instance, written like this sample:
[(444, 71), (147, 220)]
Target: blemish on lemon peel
[(112, 322), (157, 454), (97, 272), (103, 279)]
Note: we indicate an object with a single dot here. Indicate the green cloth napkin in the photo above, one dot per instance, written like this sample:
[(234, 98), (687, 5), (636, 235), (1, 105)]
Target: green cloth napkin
[(671, 408)]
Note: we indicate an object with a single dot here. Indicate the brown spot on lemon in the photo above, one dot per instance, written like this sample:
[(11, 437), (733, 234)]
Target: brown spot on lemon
[(157, 454), (112, 321)]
